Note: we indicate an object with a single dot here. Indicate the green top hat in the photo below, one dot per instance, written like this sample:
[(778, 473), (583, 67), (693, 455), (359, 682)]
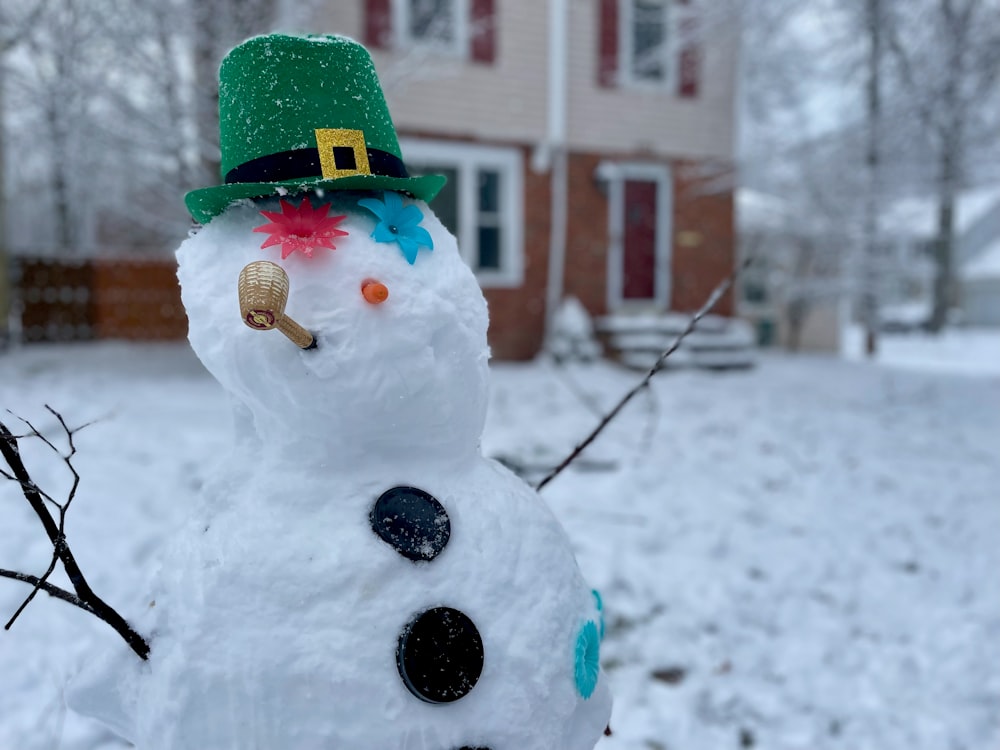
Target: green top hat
[(303, 113)]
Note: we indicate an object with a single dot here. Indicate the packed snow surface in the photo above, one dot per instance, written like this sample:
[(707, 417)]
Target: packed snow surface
[(796, 557)]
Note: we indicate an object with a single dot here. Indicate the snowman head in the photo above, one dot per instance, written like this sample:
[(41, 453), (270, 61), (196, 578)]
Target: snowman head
[(400, 363)]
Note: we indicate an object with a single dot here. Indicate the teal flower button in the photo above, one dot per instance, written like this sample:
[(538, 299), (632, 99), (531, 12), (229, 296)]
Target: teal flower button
[(398, 223), (588, 659)]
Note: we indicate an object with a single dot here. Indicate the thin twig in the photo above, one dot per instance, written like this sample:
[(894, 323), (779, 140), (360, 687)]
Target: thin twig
[(48, 588), (30, 485), (40, 583), (711, 302), (56, 533)]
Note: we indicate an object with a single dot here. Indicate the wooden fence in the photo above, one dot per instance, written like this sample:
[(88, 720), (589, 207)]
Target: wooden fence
[(95, 298)]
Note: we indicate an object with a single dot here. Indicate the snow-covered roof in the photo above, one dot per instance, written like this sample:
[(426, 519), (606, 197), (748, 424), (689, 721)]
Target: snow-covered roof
[(986, 265), (917, 216)]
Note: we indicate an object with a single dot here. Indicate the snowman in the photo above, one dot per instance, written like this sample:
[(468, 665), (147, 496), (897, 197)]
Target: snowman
[(357, 575)]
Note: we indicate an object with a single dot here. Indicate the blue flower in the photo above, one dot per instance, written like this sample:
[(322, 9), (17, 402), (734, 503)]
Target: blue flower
[(588, 659), (398, 223)]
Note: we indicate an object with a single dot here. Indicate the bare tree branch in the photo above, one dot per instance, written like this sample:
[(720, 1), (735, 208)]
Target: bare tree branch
[(13, 31), (55, 530)]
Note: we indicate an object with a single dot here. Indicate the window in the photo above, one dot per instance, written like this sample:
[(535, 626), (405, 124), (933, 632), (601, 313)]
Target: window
[(648, 29), (482, 204), (755, 290), (650, 44), (647, 43), (461, 28), (438, 24)]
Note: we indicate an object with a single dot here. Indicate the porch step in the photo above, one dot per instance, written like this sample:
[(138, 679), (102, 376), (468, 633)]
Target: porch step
[(718, 343)]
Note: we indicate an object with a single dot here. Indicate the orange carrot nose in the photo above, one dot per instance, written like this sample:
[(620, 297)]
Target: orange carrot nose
[(374, 292)]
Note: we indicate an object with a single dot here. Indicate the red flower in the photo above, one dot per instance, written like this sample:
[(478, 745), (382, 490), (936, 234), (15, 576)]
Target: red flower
[(304, 228)]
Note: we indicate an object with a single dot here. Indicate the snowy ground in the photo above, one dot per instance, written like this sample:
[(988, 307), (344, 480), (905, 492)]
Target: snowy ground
[(973, 351), (797, 557)]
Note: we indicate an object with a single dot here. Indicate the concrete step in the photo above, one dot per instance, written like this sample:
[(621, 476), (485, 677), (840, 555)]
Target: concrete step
[(637, 341)]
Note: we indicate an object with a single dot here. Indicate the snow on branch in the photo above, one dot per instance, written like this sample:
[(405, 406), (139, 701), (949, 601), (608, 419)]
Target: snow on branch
[(54, 526)]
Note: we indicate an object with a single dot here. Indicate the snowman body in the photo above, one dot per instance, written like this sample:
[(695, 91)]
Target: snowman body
[(283, 619)]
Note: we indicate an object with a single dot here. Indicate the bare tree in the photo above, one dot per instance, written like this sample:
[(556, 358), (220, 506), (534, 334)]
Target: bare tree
[(909, 106), (118, 107), (13, 23), (216, 27), (60, 48), (947, 59), (873, 163)]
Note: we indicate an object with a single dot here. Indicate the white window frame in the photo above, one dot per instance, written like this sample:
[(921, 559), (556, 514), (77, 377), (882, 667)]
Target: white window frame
[(615, 174), (668, 52), (468, 159), (459, 44)]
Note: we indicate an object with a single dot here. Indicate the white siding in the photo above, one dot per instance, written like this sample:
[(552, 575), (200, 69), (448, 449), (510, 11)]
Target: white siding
[(628, 120), (432, 94), (507, 101)]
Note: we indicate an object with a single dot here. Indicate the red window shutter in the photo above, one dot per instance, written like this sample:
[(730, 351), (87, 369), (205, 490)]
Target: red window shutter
[(484, 34), (689, 52), (378, 23), (607, 43)]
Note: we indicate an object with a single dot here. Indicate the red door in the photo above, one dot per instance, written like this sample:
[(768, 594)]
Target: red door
[(639, 254)]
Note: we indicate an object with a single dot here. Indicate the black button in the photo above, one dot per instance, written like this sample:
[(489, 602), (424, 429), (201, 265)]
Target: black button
[(440, 655), (412, 522)]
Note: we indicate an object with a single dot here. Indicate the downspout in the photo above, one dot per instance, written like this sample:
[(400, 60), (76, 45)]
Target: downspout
[(556, 143)]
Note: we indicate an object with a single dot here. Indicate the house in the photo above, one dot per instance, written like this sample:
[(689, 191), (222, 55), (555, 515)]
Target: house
[(979, 284), (804, 277), (587, 143), (976, 259), (793, 292), (978, 265)]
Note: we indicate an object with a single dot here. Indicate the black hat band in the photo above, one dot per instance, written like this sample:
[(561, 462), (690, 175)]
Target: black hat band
[(304, 163)]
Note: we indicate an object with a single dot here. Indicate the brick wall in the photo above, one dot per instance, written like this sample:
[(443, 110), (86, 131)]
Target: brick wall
[(517, 316), (704, 248), (587, 236), (703, 243)]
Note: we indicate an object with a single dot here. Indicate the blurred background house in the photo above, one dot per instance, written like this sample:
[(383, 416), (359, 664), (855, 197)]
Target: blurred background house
[(910, 232), (589, 148), (797, 293), (979, 266), (592, 151), (793, 293)]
